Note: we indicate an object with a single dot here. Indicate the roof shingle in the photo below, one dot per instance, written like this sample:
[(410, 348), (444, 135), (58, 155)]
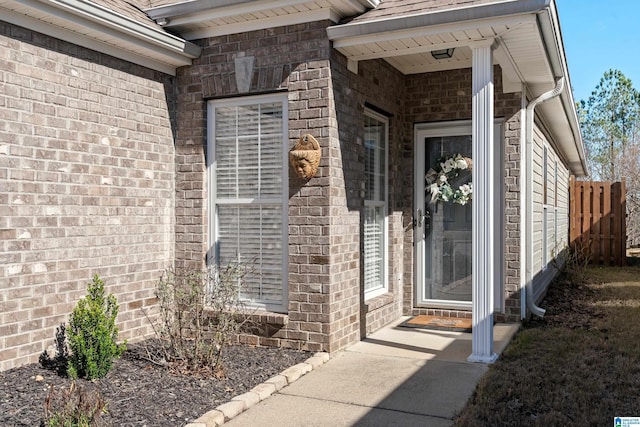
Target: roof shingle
[(131, 9), (399, 8)]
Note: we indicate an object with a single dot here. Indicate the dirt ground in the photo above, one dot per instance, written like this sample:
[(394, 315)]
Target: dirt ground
[(139, 393)]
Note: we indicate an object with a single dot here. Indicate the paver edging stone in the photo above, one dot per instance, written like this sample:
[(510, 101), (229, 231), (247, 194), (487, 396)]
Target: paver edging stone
[(225, 412)]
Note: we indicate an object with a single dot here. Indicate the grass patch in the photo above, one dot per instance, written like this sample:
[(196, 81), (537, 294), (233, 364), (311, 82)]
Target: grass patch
[(578, 366)]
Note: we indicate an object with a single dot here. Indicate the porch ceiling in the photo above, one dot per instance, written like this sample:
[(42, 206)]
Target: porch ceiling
[(520, 48), (407, 40)]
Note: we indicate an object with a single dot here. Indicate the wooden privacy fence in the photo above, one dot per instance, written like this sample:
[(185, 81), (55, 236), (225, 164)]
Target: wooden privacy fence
[(598, 220)]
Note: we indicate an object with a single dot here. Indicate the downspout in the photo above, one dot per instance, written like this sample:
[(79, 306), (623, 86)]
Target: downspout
[(529, 115)]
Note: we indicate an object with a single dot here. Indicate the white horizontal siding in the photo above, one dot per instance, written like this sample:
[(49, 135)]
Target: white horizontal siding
[(538, 148), (556, 205), (563, 205)]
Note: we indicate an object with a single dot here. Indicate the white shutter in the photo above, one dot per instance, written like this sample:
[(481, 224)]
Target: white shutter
[(248, 197)]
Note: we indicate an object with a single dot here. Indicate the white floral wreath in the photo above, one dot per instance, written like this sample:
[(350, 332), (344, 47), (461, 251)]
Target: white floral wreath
[(445, 170)]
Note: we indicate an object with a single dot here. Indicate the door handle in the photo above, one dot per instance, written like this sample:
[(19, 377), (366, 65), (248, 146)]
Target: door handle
[(420, 218)]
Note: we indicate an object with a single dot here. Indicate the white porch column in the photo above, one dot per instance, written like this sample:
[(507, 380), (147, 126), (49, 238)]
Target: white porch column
[(486, 200)]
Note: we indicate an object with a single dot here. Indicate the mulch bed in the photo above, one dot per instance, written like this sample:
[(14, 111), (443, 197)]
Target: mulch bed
[(139, 393)]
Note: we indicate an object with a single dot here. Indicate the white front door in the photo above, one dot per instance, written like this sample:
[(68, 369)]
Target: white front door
[(443, 230)]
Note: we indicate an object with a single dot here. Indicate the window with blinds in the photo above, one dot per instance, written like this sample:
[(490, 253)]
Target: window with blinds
[(375, 205), (248, 193)]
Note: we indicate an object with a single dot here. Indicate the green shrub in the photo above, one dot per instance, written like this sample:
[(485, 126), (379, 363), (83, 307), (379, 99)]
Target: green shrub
[(92, 334)]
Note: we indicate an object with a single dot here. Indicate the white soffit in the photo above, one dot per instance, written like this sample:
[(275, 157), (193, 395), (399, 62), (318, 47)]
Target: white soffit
[(520, 48), (87, 24), (555, 119), (199, 19)]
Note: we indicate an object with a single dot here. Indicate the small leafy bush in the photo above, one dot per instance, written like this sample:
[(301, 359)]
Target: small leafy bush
[(73, 407), (200, 313), (93, 334)]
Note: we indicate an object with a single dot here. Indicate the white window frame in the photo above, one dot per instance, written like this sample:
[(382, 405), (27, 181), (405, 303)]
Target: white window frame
[(212, 202), (384, 286)]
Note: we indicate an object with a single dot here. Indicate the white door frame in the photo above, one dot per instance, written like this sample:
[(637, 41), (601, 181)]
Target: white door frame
[(422, 131), (440, 129)]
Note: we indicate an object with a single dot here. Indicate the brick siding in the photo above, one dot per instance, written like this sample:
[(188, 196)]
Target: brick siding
[(327, 310), (93, 180), (326, 301), (86, 186), (294, 58), (512, 129), (380, 87)]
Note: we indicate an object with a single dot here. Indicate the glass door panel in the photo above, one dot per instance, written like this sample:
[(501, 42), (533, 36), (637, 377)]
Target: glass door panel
[(447, 225)]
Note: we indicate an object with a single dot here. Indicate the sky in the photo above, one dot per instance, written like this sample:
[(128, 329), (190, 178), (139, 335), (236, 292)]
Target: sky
[(600, 35)]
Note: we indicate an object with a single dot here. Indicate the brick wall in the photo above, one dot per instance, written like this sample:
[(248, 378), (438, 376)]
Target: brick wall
[(380, 87), (294, 58), (190, 167), (86, 186), (512, 129), (326, 309), (89, 173)]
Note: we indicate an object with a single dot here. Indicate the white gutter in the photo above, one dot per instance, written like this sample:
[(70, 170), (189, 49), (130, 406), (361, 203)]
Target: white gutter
[(125, 25), (550, 30), (104, 30), (528, 184)]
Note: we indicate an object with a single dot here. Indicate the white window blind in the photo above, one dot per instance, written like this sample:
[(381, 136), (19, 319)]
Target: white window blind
[(248, 196), (373, 248), (375, 205)]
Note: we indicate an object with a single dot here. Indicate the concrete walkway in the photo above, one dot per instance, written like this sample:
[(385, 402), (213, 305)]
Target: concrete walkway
[(396, 377)]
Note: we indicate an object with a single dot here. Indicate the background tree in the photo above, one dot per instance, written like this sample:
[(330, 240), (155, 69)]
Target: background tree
[(609, 121)]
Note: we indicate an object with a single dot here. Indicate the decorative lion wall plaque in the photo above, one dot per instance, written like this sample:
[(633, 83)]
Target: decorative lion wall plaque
[(305, 156)]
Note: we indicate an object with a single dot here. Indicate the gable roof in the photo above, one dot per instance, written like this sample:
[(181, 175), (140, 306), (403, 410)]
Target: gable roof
[(197, 19), (526, 34), (132, 9), (400, 8)]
